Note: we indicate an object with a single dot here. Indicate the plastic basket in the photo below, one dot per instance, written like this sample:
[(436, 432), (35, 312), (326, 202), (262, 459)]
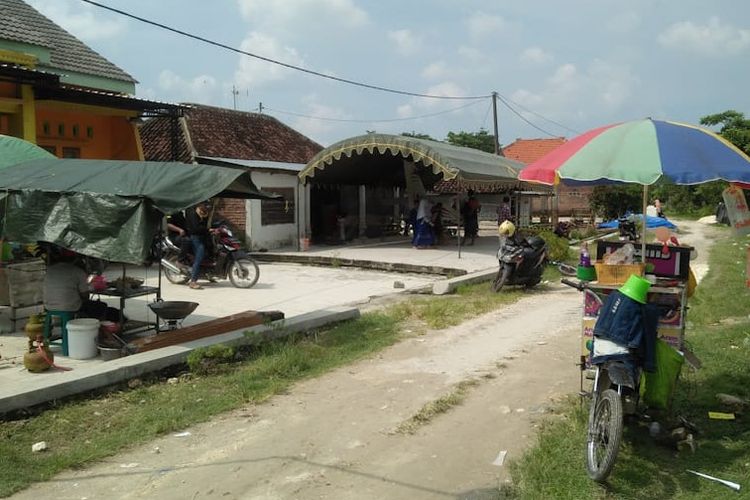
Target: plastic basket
[(617, 274)]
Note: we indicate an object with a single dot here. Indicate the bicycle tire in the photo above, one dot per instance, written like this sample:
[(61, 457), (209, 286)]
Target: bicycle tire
[(604, 435), (567, 269)]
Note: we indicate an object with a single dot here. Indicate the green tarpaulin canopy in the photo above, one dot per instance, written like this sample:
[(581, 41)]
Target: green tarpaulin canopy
[(370, 158), (107, 209), (14, 150)]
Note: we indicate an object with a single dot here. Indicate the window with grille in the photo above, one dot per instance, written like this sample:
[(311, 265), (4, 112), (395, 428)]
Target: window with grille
[(278, 211)]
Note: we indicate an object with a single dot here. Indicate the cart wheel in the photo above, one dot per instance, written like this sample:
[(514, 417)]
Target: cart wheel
[(604, 434)]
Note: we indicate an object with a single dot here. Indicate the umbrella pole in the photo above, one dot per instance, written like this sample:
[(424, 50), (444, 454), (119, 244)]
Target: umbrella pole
[(643, 231)]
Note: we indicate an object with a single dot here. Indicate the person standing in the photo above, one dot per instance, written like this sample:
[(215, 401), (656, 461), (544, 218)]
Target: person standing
[(423, 236), (196, 225), (503, 211), (470, 213)]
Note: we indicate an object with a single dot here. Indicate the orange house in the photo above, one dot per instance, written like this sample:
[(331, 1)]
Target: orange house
[(57, 92)]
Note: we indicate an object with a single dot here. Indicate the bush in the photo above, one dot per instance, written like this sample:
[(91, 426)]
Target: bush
[(205, 360), (557, 247)]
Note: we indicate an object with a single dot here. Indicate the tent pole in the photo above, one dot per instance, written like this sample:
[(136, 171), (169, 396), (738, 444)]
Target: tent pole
[(458, 225), (643, 231)]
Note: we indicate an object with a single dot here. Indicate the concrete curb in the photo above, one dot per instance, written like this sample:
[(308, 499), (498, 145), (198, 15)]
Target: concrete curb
[(448, 286), (320, 260), (118, 370)]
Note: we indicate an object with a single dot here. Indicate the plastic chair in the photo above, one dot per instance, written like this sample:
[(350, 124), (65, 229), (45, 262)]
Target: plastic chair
[(64, 316)]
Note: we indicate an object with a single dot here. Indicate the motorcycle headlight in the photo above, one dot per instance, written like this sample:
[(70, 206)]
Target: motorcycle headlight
[(228, 232)]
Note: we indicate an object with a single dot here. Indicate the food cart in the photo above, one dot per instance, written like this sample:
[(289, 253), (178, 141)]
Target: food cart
[(669, 290)]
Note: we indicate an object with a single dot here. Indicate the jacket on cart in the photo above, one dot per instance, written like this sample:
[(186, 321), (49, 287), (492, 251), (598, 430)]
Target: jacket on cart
[(630, 324)]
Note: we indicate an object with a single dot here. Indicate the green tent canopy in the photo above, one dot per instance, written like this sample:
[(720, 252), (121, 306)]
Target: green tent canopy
[(378, 159), (14, 150), (108, 209)]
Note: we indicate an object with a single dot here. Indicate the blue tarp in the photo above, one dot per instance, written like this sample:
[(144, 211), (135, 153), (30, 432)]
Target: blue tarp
[(651, 222)]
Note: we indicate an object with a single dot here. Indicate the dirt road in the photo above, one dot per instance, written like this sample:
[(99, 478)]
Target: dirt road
[(333, 437)]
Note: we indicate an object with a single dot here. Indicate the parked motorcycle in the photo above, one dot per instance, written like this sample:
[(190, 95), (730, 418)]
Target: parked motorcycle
[(521, 262), (227, 260), (628, 228)]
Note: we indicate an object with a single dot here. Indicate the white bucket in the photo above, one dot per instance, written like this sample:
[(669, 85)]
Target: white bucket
[(82, 335)]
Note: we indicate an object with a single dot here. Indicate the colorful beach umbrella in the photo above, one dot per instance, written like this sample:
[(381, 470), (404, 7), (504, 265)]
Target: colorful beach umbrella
[(642, 152), (14, 150)]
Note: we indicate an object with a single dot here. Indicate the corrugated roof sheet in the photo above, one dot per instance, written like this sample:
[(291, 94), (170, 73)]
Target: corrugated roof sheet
[(22, 23), (260, 164)]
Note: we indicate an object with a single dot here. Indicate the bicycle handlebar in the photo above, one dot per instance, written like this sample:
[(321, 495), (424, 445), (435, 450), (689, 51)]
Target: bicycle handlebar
[(580, 286)]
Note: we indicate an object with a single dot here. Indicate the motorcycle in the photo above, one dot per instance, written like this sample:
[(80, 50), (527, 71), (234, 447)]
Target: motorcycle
[(228, 260), (521, 262), (628, 229)]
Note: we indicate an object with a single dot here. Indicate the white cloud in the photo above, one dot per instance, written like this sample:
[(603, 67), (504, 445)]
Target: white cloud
[(405, 111), (252, 72), (197, 89), (406, 42), (437, 69), (601, 90), (714, 39), (84, 23), (481, 24), (535, 55), (624, 22), (318, 129), (344, 14)]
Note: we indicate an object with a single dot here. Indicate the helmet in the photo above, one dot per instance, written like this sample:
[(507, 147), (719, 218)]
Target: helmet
[(507, 228)]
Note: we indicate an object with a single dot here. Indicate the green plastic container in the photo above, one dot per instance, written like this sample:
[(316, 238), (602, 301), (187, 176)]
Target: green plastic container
[(586, 273)]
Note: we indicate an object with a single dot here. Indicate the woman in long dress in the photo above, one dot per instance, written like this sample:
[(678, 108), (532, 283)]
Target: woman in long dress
[(423, 236)]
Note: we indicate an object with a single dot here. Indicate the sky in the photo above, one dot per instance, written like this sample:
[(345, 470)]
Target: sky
[(559, 67)]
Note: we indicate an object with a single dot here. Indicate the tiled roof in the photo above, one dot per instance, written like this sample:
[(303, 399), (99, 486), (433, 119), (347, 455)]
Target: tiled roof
[(22, 23), (226, 133), (530, 150)]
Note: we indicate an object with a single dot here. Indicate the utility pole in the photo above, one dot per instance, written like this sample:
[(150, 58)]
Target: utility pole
[(498, 151)]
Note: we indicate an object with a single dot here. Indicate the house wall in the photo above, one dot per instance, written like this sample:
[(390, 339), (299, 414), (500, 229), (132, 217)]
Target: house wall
[(98, 133), (274, 235)]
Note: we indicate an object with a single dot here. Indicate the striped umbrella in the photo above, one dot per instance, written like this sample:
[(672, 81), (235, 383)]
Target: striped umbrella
[(642, 152)]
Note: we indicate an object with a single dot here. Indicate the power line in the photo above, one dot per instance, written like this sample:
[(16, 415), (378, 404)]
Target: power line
[(540, 116), (279, 63), (523, 117), (387, 120)]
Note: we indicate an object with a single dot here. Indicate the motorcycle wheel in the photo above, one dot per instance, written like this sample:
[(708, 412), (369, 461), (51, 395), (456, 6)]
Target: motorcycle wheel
[(243, 273), (503, 274), (173, 277), (604, 434)]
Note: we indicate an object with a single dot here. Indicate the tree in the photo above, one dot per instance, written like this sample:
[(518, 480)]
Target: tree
[(481, 140), (418, 135), (734, 127)]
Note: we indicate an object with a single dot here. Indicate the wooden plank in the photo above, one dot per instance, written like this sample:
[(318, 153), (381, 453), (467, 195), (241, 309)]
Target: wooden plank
[(209, 328)]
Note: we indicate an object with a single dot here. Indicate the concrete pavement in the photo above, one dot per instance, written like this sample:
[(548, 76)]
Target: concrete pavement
[(308, 296)]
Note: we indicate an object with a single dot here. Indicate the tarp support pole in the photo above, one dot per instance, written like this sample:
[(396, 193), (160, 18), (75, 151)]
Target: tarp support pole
[(643, 231)]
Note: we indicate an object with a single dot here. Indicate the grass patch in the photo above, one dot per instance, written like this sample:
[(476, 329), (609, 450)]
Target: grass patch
[(445, 311), (555, 466), (83, 430), (434, 408)]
